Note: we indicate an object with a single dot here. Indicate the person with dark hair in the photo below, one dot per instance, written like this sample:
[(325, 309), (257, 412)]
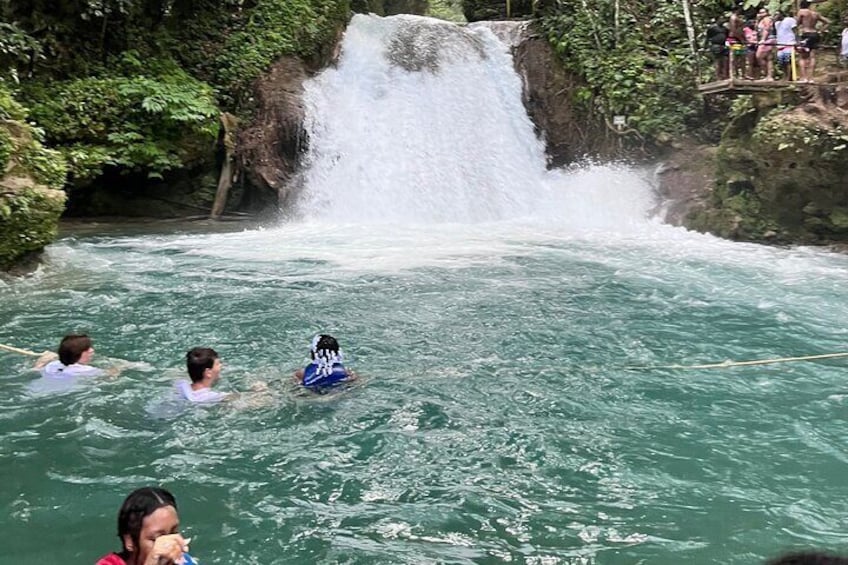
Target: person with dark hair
[(74, 354), (715, 40), (736, 42), (766, 40), (786, 40), (148, 527), (808, 22), (326, 368), (808, 558), (204, 370)]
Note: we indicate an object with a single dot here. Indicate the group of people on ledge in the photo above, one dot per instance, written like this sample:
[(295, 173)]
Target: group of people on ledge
[(325, 369), (749, 48)]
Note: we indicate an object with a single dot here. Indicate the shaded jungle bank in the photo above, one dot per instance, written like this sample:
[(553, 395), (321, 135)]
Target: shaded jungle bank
[(134, 107)]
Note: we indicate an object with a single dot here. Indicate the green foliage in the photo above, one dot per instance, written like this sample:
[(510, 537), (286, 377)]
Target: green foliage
[(642, 68), (794, 134), (16, 48), (7, 147), (21, 150), (268, 30), (450, 10), (47, 166), (140, 123), (10, 108)]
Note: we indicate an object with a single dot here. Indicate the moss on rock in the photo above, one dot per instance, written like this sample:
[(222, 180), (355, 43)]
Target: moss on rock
[(782, 176), (30, 214), (30, 199)]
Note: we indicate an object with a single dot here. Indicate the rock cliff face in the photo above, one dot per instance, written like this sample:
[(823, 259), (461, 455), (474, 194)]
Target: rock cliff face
[(29, 215), (269, 149), (548, 90), (781, 172)]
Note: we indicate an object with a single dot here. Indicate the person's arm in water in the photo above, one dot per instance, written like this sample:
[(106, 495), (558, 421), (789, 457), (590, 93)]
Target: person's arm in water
[(44, 359), (351, 376), (298, 375)]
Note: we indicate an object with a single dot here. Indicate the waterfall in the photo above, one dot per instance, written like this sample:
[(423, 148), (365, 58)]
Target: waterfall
[(422, 121)]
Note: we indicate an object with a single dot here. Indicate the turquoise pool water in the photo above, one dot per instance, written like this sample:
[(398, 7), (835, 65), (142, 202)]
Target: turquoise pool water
[(496, 420), (493, 308)]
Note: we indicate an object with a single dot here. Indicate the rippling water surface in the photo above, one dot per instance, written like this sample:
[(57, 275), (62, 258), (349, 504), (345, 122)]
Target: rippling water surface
[(496, 420)]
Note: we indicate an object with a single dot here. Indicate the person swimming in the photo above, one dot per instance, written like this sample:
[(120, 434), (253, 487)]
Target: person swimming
[(204, 369), (74, 354), (326, 368)]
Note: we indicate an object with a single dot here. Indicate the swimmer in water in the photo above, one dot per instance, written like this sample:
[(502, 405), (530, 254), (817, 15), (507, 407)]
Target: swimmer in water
[(71, 360), (326, 368)]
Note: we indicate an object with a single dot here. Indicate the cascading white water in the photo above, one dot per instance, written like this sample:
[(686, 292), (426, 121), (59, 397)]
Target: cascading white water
[(423, 121)]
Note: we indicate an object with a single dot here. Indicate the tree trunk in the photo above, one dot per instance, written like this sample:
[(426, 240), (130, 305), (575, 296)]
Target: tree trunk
[(690, 28), (225, 181)]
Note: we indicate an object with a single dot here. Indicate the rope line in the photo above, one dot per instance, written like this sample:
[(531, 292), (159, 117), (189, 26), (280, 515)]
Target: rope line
[(730, 363), (19, 350)]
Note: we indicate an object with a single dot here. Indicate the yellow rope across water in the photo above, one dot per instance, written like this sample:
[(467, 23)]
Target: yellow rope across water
[(19, 350), (731, 363)]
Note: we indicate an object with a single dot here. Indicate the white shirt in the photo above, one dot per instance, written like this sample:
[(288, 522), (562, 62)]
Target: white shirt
[(845, 42), (58, 370), (785, 29), (204, 395)]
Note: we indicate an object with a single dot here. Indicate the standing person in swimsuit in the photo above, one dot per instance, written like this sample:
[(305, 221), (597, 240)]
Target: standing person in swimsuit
[(766, 40), (736, 42), (808, 22)]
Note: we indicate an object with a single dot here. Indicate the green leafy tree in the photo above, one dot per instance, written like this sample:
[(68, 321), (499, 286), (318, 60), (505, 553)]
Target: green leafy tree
[(142, 123), (634, 57)]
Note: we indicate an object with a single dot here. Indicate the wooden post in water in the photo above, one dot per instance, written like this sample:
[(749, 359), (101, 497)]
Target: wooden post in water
[(225, 181)]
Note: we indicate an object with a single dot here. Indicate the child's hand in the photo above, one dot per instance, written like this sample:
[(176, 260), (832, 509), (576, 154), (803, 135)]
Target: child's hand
[(45, 358), (259, 386), (167, 550)]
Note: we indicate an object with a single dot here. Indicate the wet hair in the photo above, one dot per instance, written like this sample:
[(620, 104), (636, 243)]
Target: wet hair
[(324, 343), (140, 504), (804, 4), (198, 360), (808, 558), (72, 348)]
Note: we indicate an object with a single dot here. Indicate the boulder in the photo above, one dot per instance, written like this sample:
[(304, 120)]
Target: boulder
[(29, 216)]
